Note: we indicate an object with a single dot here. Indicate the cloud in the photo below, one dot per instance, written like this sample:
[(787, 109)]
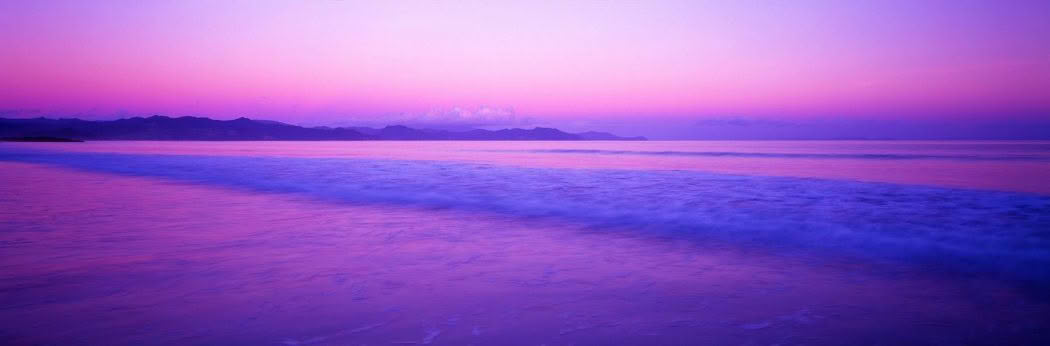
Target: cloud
[(449, 118), (480, 116)]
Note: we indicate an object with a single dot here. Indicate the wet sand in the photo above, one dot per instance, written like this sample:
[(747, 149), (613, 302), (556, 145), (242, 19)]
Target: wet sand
[(106, 259)]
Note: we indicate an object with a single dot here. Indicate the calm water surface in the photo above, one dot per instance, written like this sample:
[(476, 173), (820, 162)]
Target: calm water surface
[(530, 243)]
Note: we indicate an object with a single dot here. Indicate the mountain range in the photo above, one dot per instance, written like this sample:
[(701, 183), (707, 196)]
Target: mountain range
[(197, 128)]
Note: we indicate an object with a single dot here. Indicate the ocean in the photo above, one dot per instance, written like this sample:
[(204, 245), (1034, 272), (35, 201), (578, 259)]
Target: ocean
[(525, 243)]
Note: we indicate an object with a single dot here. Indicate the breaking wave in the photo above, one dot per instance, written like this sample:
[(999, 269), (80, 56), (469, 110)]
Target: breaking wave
[(999, 233)]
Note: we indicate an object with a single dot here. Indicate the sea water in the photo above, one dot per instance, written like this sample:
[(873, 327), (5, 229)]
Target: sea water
[(604, 242)]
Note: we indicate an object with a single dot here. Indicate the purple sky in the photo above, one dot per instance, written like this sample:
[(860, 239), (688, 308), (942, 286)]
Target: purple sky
[(665, 69)]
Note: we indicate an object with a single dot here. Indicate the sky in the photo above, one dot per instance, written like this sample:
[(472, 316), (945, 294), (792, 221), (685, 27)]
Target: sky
[(663, 69)]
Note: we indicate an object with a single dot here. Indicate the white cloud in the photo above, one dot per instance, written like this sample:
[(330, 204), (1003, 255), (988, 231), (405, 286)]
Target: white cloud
[(449, 118)]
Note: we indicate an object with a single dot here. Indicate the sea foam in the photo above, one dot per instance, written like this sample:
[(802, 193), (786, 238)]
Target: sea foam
[(1000, 233)]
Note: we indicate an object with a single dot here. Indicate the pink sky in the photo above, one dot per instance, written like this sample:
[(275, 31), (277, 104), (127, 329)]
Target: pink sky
[(346, 61)]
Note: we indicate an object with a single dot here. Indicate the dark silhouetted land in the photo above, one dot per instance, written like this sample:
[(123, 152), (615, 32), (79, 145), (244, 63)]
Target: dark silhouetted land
[(197, 128), (38, 139)]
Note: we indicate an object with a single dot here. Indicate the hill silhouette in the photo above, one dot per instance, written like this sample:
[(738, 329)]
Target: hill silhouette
[(198, 128)]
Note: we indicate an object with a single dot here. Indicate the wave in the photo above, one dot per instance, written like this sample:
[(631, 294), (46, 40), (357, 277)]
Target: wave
[(1000, 233), (884, 156)]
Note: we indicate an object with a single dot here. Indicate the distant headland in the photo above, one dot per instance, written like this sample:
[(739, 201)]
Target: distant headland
[(38, 139), (243, 129)]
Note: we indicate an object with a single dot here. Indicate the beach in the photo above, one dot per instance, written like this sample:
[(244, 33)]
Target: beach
[(521, 243)]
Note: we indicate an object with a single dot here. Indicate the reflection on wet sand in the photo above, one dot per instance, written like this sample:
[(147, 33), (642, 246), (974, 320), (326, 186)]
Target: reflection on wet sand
[(105, 259)]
